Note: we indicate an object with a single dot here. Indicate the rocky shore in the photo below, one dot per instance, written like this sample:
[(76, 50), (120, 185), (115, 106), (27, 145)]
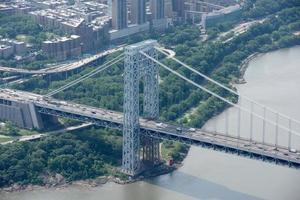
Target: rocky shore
[(244, 66), (57, 181)]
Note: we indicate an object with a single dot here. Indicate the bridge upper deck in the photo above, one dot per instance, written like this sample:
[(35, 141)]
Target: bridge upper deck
[(157, 129)]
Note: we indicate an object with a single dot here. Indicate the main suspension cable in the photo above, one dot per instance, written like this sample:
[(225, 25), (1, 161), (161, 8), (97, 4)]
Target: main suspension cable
[(88, 75), (227, 88), (216, 95)]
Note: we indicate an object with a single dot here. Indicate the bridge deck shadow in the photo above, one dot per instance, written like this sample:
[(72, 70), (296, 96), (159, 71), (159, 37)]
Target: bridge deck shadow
[(197, 188)]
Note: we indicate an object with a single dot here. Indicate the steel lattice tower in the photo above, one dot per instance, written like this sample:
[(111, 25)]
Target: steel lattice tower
[(137, 67)]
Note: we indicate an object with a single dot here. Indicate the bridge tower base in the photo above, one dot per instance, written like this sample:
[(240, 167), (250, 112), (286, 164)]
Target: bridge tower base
[(138, 67)]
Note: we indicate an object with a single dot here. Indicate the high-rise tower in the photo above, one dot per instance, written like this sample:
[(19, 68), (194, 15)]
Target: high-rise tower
[(119, 14), (138, 11), (157, 9), (168, 8), (178, 7)]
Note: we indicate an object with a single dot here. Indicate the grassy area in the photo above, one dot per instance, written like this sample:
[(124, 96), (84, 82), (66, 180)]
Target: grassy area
[(173, 150), (24, 38), (51, 36), (187, 116), (24, 132), (10, 129), (4, 138), (28, 38)]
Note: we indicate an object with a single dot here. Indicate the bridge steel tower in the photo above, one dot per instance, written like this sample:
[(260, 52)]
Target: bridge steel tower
[(136, 68)]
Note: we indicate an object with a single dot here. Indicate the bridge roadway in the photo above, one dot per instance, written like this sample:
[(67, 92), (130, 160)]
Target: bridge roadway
[(62, 67), (112, 119)]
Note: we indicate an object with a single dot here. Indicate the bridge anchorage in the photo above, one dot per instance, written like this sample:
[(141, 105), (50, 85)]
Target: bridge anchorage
[(139, 150)]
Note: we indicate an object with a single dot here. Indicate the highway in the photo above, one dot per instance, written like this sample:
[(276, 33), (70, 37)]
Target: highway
[(62, 67), (238, 30), (113, 119), (171, 53), (38, 136)]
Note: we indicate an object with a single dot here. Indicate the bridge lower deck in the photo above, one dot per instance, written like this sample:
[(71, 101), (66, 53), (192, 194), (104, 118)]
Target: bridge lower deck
[(230, 144), (199, 137)]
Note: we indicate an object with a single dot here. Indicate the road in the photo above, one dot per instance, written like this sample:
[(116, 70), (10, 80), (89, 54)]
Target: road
[(62, 67), (113, 119), (168, 51), (38, 136), (239, 29)]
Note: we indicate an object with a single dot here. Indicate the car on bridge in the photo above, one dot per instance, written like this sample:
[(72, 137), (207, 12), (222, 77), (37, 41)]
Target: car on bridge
[(179, 130), (192, 129), (160, 125)]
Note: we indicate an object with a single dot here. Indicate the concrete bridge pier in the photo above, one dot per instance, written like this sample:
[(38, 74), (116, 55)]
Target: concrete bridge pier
[(22, 114)]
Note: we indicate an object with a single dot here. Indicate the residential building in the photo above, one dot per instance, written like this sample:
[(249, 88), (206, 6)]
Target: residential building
[(6, 51), (157, 8), (138, 11), (119, 14), (168, 8), (92, 25), (62, 48)]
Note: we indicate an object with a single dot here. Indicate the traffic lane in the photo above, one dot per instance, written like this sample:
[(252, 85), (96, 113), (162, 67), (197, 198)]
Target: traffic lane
[(61, 67), (118, 117)]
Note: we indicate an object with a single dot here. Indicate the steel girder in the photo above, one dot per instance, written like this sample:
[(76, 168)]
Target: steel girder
[(240, 151), (97, 122), (136, 66), (159, 135)]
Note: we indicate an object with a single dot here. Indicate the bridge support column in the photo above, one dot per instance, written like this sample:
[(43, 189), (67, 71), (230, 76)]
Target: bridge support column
[(135, 67), (151, 152)]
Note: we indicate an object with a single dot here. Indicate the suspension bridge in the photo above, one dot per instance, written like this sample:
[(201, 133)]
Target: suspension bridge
[(271, 136)]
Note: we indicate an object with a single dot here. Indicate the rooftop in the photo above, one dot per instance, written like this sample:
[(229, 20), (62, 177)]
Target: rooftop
[(12, 41), (62, 39), (2, 47), (75, 15), (51, 2), (226, 10)]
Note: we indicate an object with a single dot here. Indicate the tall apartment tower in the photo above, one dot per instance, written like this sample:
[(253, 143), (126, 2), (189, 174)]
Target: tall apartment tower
[(109, 8), (157, 9), (119, 14), (138, 11), (178, 7), (169, 8)]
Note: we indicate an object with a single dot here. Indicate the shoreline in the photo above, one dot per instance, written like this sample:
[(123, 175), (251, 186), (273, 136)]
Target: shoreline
[(159, 170), (243, 67), (245, 63), (102, 180)]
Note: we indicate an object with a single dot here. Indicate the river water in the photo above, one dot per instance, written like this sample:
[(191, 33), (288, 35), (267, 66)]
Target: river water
[(272, 79)]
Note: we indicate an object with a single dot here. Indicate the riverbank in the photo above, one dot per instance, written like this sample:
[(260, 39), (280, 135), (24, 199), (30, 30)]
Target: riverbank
[(245, 63), (206, 173), (243, 67), (58, 181), (98, 181), (54, 175), (59, 184)]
